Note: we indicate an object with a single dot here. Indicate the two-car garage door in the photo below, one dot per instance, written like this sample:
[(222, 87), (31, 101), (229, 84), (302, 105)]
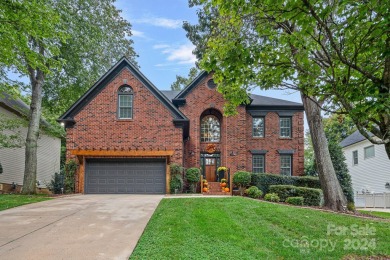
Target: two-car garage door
[(125, 176)]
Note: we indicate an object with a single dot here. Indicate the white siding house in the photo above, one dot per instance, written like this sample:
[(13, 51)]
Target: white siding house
[(368, 164), (12, 159)]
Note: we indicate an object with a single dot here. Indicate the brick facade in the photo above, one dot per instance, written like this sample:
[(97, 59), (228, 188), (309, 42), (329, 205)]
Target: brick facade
[(97, 128)]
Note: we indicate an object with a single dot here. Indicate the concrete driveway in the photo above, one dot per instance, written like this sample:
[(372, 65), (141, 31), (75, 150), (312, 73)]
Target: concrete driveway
[(76, 227)]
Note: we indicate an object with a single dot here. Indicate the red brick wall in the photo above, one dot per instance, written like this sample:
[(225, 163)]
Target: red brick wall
[(151, 128), (236, 134)]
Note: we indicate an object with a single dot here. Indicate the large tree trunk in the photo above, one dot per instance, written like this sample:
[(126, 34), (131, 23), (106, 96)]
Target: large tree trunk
[(333, 194), (30, 169)]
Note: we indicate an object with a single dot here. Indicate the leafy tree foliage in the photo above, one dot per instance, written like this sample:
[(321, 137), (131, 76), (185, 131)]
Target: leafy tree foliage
[(337, 51), (182, 82), (61, 46)]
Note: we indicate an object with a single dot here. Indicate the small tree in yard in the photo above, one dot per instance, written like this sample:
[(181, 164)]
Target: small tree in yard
[(192, 176), (242, 179)]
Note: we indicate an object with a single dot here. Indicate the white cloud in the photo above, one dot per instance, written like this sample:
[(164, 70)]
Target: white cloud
[(161, 46), (160, 22), (182, 54), (136, 33)]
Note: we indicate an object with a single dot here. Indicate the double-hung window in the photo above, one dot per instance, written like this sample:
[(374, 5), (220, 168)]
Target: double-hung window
[(258, 127), (285, 127), (125, 102)]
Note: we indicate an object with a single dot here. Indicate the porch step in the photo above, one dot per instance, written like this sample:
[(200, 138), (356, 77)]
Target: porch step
[(214, 188)]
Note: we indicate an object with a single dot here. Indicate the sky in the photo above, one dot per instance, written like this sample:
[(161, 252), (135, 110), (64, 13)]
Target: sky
[(161, 43)]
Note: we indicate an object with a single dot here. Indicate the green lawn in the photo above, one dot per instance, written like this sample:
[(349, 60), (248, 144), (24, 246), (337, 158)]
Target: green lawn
[(240, 228), (376, 213), (11, 201)]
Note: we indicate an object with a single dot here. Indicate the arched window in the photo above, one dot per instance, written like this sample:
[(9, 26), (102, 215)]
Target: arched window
[(210, 129), (125, 102)]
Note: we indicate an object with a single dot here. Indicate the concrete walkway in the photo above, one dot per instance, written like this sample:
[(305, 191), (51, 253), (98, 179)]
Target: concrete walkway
[(77, 227)]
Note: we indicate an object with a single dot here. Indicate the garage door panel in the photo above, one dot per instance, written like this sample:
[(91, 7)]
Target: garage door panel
[(135, 176)]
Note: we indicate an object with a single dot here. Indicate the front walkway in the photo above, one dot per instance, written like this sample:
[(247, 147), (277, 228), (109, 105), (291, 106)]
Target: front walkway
[(76, 227)]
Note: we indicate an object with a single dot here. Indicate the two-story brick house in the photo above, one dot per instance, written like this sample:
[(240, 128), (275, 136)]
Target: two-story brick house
[(124, 133)]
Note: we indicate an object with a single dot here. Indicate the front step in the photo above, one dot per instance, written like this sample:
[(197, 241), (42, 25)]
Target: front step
[(214, 188)]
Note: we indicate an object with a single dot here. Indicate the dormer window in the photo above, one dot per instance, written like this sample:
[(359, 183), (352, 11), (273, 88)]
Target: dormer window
[(125, 102)]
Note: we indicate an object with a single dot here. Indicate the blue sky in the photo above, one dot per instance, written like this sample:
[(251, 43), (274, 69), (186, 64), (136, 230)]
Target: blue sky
[(161, 43)]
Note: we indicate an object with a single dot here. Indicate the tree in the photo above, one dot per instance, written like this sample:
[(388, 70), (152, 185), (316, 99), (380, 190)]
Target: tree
[(53, 40), (182, 82), (337, 51), (246, 48)]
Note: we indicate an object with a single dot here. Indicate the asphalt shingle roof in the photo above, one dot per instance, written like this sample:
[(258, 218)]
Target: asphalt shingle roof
[(354, 138), (257, 100)]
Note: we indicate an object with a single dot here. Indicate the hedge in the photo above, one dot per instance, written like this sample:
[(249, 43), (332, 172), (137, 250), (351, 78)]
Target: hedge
[(264, 180), (298, 201), (311, 197)]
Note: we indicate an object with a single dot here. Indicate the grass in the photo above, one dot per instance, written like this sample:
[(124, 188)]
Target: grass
[(240, 228), (10, 201), (376, 213)]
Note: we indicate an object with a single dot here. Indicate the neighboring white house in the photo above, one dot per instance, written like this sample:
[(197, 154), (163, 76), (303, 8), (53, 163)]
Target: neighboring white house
[(12, 159), (368, 164)]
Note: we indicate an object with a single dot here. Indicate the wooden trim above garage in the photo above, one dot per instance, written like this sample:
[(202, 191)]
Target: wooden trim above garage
[(120, 153)]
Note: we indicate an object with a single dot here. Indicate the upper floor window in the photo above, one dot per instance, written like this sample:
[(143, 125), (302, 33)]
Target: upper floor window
[(258, 127), (355, 158), (125, 102), (285, 165), (258, 165), (369, 152), (210, 129), (285, 126)]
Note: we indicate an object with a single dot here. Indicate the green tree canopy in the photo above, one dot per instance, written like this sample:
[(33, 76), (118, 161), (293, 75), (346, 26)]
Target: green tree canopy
[(337, 51)]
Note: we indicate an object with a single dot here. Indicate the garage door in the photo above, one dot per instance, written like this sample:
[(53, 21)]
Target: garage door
[(124, 176)]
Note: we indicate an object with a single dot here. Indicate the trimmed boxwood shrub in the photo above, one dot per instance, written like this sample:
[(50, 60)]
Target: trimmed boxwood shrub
[(295, 201), (311, 197), (272, 197), (193, 177), (242, 179), (254, 192), (264, 180)]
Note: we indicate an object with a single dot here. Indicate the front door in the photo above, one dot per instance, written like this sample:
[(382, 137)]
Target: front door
[(210, 163)]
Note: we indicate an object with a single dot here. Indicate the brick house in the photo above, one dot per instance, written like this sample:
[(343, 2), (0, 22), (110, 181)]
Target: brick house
[(124, 133)]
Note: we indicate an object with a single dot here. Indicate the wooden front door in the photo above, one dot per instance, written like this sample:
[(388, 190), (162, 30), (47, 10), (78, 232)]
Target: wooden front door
[(211, 169)]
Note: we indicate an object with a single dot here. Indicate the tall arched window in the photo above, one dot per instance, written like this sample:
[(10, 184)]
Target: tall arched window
[(210, 129), (125, 102)]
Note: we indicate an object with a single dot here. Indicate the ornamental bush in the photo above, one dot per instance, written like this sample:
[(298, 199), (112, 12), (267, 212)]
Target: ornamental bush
[(254, 192), (192, 176), (298, 201), (273, 197), (311, 197), (242, 179), (264, 180)]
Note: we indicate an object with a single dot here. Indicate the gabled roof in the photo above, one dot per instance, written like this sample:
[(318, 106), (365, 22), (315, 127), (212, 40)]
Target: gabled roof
[(257, 101), (194, 83), (17, 106), (354, 138), (106, 78)]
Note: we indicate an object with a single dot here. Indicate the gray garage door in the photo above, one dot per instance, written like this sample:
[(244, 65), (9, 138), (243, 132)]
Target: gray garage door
[(124, 176)]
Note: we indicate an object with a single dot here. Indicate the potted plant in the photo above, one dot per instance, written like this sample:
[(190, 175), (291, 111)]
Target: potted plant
[(205, 183), (221, 172)]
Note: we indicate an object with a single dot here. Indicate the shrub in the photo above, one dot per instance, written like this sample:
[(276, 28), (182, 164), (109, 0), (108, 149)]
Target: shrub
[(254, 192), (272, 197), (311, 197), (295, 201), (175, 169), (351, 206), (264, 180), (176, 183), (192, 176), (242, 179), (70, 169), (56, 184)]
